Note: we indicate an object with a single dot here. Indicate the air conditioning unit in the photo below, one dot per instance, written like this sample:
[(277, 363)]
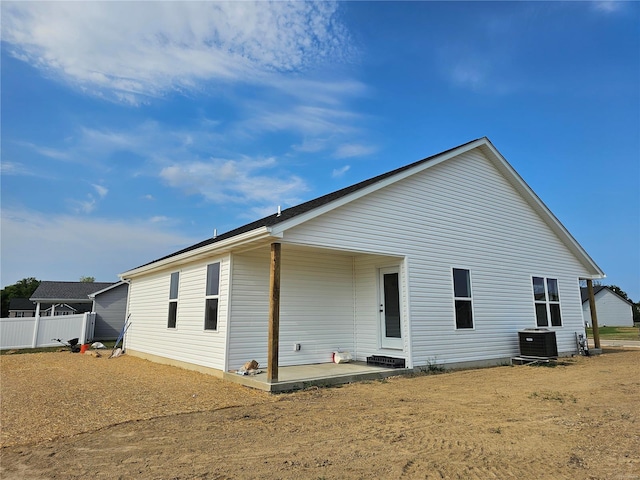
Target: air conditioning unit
[(538, 343)]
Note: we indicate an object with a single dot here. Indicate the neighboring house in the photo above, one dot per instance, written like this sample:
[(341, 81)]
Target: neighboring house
[(59, 309), (69, 298), (442, 262), (21, 307), (612, 310), (110, 307)]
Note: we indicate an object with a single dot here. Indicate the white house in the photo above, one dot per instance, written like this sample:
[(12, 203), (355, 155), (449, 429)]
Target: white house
[(442, 262), (612, 309)]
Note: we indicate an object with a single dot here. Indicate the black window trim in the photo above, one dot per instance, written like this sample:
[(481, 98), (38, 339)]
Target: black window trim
[(468, 299)]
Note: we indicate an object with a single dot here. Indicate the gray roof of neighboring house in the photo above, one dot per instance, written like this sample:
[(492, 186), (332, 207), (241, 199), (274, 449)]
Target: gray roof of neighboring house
[(584, 293), (21, 304), (292, 212), (67, 292), (109, 288)]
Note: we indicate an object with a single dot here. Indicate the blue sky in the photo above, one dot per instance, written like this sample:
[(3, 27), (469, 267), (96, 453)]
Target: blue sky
[(130, 130)]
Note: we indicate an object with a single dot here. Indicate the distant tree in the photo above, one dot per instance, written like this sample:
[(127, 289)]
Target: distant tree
[(619, 291), (21, 289), (88, 279)]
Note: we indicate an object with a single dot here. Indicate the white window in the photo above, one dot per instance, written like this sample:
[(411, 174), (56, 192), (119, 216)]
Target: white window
[(212, 297), (462, 298), (547, 301), (173, 300)]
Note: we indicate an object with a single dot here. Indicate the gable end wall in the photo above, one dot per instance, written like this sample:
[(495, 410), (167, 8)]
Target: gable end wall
[(461, 213)]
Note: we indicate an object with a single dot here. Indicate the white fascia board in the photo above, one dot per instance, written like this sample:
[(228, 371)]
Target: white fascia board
[(117, 284), (527, 192), (216, 247), (295, 221)]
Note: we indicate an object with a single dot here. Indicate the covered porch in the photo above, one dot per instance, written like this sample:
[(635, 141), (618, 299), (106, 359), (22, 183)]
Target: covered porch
[(294, 305)]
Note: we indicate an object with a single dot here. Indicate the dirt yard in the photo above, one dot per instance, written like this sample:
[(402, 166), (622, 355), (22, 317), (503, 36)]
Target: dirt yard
[(71, 416)]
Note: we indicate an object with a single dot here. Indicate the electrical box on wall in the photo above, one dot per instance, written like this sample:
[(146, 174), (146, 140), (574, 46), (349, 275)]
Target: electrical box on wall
[(296, 347)]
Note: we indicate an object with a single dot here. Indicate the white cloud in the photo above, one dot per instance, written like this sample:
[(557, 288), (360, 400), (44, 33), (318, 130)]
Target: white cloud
[(63, 247), (101, 191), (608, 6), (84, 206), (15, 168), (130, 50), (339, 172), (469, 74), (46, 151), (236, 181), (89, 204), (354, 150)]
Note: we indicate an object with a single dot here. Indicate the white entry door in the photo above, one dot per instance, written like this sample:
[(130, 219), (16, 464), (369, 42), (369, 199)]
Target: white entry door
[(389, 300)]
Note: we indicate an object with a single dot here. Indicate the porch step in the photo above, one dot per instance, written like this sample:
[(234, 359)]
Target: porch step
[(384, 361)]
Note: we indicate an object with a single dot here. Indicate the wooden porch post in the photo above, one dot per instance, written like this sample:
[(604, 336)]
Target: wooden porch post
[(594, 315), (274, 313)]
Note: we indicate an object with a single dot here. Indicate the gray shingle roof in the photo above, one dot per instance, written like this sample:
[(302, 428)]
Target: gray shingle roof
[(21, 304), (67, 291), (292, 212), (584, 293)]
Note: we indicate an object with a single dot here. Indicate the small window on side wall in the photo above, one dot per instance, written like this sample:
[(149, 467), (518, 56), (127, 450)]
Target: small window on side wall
[(462, 298), (212, 297), (546, 298), (173, 300)]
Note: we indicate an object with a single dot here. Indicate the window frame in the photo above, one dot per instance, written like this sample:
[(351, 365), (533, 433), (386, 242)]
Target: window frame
[(211, 325), (550, 312), (466, 299), (172, 314)]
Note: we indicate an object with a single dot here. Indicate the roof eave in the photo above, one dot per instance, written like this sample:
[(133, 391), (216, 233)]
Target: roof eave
[(117, 284), (61, 300), (216, 247)]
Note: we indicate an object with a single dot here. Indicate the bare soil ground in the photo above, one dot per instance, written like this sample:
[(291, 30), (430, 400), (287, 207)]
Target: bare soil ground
[(72, 416)]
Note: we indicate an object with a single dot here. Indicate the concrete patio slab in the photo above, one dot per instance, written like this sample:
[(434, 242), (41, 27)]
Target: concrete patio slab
[(324, 374)]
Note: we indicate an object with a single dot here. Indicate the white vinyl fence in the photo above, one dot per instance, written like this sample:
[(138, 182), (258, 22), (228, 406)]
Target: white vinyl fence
[(33, 332)]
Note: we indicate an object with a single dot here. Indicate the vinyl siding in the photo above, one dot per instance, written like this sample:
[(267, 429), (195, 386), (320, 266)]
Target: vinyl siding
[(111, 309), (461, 213), (368, 321), (612, 311), (316, 306), (188, 342)]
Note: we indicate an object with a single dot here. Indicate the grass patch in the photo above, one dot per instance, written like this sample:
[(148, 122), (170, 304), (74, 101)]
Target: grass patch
[(553, 396), (616, 333), (431, 368)]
